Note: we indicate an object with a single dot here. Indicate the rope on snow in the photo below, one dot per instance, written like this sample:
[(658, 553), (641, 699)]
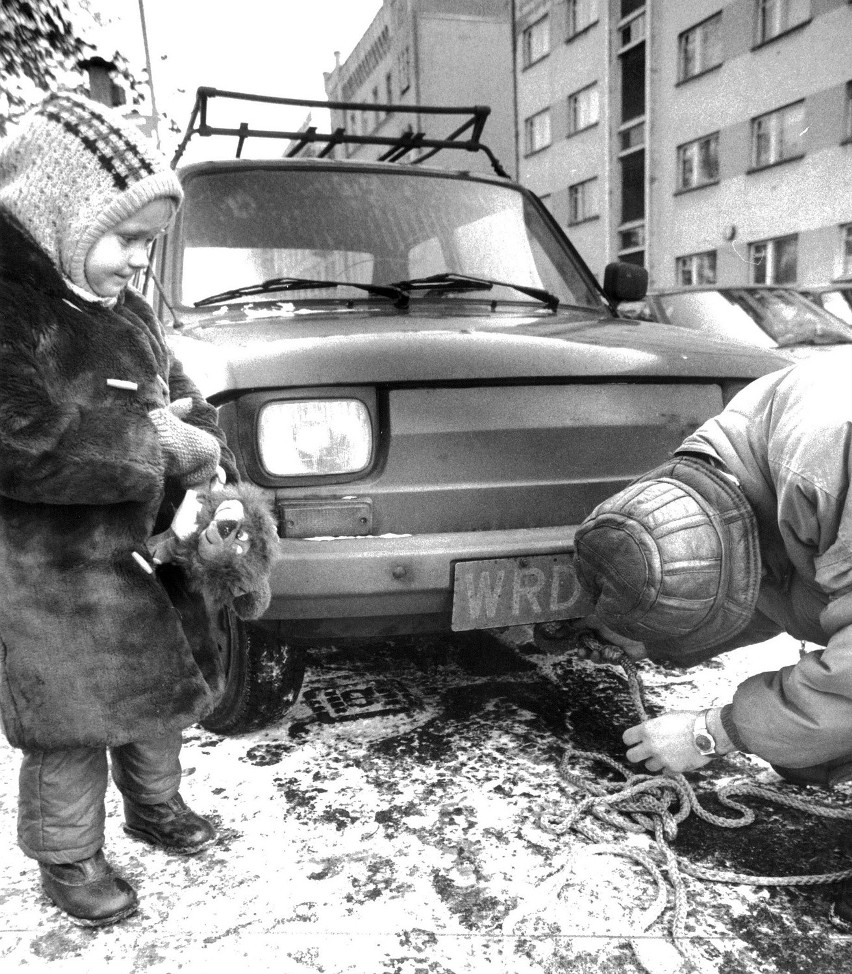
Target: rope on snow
[(657, 804)]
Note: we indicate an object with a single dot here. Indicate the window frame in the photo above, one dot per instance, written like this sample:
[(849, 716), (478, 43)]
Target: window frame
[(761, 35), (528, 57), (529, 125), (695, 30), (774, 135), (846, 250), (694, 263), (580, 201), (403, 65), (771, 246), (571, 20), (573, 100), (847, 114), (699, 181)]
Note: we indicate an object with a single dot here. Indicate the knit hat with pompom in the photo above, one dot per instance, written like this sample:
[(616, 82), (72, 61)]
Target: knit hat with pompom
[(71, 170)]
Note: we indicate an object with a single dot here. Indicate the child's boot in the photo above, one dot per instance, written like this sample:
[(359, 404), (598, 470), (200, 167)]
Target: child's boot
[(169, 824), (89, 891)]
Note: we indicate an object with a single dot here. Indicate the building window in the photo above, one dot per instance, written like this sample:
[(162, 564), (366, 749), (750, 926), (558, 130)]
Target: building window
[(847, 122), (583, 201), (696, 268), (633, 83), (699, 48), (537, 132), (630, 6), (698, 162), (631, 244), (583, 109), (535, 41), (847, 250), (778, 135), (631, 137), (774, 261), (774, 17), (632, 32), (404, 69), (632, 186), (389, 87), (581, 14)]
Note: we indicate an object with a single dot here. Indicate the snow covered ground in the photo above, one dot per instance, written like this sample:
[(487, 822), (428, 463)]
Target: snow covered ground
[(421, 835)]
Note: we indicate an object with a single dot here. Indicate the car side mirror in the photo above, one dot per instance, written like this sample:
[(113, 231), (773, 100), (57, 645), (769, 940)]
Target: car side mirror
[(625, 282)]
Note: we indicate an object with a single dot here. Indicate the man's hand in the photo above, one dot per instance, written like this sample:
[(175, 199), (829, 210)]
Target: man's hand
[(665, 743)]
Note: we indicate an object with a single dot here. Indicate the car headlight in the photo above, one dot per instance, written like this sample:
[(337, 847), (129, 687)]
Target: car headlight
[(307, 437)]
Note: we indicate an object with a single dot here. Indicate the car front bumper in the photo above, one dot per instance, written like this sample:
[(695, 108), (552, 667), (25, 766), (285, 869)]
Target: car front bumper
[(390, 584)]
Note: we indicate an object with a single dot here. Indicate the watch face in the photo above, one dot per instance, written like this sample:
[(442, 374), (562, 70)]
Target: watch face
[(704, 743)]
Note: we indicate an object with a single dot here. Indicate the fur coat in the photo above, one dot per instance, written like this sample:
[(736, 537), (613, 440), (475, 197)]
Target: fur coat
[(94, 649)]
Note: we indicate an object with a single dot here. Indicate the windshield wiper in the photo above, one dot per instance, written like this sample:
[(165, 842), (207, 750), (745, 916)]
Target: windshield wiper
[(450, 281), (399, 296)]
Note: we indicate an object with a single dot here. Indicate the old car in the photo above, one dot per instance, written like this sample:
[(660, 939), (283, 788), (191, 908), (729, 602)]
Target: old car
[(423, 375), (768, 316)]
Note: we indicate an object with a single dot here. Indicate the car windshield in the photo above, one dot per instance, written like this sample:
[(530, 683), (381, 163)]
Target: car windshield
[(764, 316), (242, 227), (838, 302)]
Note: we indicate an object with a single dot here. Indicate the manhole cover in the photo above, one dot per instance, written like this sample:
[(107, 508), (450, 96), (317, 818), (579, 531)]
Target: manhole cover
[(354, 701)]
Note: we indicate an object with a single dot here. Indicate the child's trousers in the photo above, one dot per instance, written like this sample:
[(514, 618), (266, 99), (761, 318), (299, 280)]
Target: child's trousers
[(61, 810)]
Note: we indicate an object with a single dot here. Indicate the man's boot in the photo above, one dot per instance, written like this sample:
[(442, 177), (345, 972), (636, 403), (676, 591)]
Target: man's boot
[(89, 891), (170, 825)]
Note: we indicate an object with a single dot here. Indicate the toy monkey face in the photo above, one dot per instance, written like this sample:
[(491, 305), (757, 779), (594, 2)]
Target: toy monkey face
[(225, 535)]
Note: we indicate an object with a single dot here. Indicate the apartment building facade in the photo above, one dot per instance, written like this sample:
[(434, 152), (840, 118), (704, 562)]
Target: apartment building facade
[(431, 52), (710, 141)]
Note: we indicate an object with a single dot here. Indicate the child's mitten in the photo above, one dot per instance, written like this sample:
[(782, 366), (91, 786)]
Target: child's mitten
[(192, 455)]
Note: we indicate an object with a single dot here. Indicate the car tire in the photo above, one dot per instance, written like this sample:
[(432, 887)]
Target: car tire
[(263, 677)]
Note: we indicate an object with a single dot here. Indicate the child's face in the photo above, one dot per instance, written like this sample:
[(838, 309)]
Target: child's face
[(120, 252)]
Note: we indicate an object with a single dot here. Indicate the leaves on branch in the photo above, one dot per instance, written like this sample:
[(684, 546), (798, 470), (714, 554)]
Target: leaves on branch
[(41, 49)]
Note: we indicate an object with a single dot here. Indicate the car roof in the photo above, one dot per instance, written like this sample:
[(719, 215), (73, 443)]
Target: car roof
[(354, 165)]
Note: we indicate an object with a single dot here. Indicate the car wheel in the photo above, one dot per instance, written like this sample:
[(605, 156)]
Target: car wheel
[(263, 677)]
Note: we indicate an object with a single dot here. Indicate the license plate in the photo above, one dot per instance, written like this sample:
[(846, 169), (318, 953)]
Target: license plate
[(516, 591)]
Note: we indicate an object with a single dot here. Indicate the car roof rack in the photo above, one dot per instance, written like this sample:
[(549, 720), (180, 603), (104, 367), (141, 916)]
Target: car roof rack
[(395, 146)]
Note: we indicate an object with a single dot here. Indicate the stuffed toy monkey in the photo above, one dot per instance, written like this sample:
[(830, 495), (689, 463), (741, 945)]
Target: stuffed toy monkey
[(225, 540)]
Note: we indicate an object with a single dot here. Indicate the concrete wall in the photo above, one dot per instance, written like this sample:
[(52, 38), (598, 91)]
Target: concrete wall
[(571, 65), (460, 53), (810, 196), (463, 60)]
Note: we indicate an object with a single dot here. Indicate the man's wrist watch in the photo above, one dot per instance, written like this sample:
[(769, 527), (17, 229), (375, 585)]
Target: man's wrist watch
[(703, 740)]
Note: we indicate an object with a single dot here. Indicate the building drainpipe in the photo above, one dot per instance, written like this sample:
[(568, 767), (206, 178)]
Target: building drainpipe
[(517, 139), (415, 64), (649, 4), (610, 156)]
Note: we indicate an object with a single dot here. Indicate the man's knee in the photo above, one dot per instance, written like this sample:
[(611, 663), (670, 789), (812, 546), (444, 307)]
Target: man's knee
[(673, 561)]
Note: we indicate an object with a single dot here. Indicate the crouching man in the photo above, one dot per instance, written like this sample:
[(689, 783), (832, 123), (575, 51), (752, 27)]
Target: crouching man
[(744, 534)]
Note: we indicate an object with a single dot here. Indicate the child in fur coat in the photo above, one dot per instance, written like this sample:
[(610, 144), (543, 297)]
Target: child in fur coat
[(103, 655)]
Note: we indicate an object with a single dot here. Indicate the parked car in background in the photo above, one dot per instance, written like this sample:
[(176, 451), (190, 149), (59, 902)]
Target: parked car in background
[(780, 318), (424, 377), (835, 298)]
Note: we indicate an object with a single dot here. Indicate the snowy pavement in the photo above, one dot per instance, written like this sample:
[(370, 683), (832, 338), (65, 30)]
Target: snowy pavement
[(404, 819)]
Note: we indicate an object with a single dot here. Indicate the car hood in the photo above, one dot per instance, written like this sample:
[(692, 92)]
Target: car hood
[(240, 347)]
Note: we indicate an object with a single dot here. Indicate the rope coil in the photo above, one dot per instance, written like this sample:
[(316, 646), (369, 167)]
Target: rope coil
[(657, 804)]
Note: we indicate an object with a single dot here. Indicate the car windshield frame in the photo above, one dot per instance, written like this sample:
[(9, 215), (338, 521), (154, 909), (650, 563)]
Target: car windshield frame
[(539, 254), (803, 322)]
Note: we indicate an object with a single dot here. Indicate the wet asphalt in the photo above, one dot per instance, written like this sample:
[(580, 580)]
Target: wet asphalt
[(408, 815)]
